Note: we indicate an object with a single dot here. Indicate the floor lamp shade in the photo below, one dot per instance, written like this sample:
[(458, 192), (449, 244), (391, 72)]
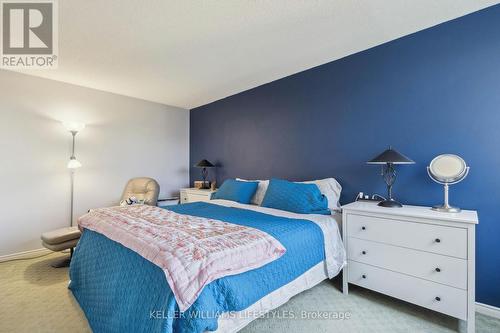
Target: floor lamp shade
[(74, 126), (73, 163)]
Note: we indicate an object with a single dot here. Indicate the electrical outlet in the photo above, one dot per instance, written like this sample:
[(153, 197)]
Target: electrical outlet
[(366, 197)]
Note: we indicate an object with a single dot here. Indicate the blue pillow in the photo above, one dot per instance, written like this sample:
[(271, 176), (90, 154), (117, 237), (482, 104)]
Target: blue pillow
[(295, 197), (235, 190)]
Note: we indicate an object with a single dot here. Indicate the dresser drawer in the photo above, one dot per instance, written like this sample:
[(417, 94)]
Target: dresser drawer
[(450, 241), (197, 197), (431, 295), (184, 197), (434, 267)]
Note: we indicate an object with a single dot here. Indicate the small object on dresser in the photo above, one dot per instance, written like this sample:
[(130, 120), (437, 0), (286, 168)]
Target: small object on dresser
[(200, 185), (365, 197), (447, 169), (388, 159)]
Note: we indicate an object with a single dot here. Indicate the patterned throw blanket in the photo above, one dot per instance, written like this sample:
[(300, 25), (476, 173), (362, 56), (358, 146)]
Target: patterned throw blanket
[(192, 251)]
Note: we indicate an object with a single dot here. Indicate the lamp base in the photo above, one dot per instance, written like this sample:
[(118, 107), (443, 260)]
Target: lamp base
[(446, 209), (391, 203)]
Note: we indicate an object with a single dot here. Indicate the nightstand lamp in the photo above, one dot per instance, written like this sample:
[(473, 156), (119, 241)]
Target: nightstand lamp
[(388, 159), (204, 165)]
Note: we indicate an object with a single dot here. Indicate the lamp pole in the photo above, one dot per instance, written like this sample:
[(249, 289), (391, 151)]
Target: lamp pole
[(72, 180), (73, 163)]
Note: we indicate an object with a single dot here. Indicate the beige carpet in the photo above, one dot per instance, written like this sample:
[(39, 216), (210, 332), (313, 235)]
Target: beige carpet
[(34, 298)]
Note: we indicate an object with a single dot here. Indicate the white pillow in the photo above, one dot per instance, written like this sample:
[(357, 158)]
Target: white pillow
[(331, 189), (258, 197)]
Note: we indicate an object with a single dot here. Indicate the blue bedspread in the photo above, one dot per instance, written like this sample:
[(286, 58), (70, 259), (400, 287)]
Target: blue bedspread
[(120, 291)]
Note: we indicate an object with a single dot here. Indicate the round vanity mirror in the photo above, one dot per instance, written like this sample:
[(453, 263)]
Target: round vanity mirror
[(447, 169)]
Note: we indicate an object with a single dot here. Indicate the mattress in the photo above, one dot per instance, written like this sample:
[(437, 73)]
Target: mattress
[(335, 255), (119, 290), (233, 322)]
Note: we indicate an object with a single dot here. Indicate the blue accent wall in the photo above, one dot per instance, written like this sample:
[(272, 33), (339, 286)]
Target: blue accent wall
[(436, 91)]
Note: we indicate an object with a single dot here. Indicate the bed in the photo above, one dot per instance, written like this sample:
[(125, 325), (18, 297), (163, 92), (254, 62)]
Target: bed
[(119, 290)]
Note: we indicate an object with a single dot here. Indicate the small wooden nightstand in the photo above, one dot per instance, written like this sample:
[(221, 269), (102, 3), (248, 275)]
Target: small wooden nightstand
[(195, 194), (413, 253)]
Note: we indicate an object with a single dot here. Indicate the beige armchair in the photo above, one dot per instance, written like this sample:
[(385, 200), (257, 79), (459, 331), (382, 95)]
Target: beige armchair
[(143, 188)]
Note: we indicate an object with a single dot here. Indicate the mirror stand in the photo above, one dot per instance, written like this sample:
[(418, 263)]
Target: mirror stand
[(446, 208)]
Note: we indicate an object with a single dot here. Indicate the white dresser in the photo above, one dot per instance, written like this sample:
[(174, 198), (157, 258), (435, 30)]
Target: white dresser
[(413, 253), (195, 194)]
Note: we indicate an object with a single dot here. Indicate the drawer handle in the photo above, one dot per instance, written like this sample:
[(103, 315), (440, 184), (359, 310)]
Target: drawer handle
[(438, 298), (438, 240), (363, 228), (363, 276), (364, 252), (438, 269)]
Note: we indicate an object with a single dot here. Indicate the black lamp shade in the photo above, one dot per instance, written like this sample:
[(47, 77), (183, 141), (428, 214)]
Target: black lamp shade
[(204, 164), (391, 156)]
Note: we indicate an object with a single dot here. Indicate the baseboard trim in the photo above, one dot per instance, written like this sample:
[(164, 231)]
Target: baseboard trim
[(488, 310), (25, 254)]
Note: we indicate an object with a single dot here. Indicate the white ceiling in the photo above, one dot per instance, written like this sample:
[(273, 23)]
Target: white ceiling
[(188, 53)]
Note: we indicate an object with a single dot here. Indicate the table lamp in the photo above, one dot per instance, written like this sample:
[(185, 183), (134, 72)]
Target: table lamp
[(204, 164), (388, 159)]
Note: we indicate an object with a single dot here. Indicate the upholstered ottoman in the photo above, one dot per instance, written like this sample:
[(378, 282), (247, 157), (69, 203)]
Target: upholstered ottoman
[(61, 239)]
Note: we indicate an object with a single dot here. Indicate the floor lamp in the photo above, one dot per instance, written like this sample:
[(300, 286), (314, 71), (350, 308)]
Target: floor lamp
[(73, 164), (73, 127)]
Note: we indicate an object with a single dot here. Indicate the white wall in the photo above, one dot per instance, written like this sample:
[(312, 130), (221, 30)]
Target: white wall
[(124, 138)]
